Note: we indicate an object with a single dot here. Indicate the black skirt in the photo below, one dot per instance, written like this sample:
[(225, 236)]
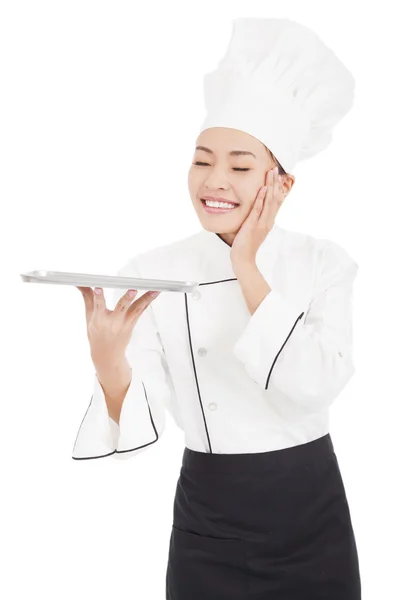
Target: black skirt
[(272, 525)]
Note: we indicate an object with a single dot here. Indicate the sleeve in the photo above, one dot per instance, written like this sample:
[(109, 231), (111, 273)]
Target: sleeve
[(142, 418), (304, 352)]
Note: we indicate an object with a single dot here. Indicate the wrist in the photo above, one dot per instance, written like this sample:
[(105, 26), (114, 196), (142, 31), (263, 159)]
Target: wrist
[(114, 362), (242, 267)]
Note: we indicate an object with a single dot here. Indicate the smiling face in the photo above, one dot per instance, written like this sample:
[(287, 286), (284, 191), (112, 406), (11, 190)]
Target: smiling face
[(230, 164)]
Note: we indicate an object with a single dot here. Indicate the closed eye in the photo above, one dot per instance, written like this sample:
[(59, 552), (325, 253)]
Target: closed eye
[(234, 168)]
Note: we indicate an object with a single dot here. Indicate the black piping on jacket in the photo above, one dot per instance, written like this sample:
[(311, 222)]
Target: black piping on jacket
[(195, 373), (191, 351), (281, 348)]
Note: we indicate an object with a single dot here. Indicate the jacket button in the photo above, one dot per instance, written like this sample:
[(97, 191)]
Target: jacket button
[(201, 351), (196, 295), (212, 406), (340, 354)]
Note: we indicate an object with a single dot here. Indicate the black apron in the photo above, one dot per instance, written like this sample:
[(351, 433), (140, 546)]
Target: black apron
[(262, 526)]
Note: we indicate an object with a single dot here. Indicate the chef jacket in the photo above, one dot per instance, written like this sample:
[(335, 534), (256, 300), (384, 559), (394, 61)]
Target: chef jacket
[(233, 382)]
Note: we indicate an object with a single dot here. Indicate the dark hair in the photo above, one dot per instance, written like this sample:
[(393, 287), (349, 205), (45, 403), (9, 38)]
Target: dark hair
[(281, 170)]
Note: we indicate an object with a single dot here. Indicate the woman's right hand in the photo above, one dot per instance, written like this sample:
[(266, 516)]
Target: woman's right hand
[(109, 331)]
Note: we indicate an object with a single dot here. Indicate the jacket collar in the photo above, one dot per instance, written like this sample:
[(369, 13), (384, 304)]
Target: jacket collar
[(215, 255)]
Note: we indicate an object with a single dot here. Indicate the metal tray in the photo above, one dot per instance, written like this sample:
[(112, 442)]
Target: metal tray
[(107, 281)]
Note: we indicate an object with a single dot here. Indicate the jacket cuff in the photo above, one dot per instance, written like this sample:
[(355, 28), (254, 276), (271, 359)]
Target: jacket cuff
[(264, 337), (99, 435)]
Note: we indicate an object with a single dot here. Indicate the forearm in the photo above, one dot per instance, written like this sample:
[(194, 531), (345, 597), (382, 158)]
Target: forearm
[(115, 379), (253, 285)]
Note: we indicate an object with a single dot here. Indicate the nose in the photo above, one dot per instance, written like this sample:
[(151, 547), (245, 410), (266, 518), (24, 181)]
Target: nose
[(216, 180)]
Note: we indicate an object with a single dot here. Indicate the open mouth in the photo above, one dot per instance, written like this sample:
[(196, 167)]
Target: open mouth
[(219, 209)]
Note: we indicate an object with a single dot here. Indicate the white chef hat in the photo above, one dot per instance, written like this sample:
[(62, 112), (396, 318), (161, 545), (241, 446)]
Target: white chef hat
[(281, 84)]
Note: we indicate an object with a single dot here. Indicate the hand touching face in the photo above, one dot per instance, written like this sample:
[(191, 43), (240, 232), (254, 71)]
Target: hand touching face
[(260, 220)]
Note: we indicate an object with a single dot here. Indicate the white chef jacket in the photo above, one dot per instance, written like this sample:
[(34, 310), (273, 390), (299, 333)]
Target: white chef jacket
[(233, 382)]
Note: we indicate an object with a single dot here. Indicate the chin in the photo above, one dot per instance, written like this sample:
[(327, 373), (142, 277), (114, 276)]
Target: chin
[(208, 227), (216, 223)]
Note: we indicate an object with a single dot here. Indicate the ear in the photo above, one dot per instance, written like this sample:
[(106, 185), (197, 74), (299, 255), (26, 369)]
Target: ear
[(287, 182)]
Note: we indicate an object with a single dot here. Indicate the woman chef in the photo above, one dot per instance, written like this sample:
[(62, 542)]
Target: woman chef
[(249, 364)]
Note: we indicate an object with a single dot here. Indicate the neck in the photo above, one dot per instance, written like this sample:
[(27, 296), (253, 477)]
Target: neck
[(228, 238)]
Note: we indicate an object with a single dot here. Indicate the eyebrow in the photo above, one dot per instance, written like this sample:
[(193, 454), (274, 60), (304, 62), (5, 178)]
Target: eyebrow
[(232, 153)]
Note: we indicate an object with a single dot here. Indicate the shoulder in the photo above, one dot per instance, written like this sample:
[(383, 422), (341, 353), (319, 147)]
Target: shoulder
[(331, 261), (325, 249)]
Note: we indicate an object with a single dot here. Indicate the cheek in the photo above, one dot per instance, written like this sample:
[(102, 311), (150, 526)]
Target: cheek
[(247, 190), (194, 181)]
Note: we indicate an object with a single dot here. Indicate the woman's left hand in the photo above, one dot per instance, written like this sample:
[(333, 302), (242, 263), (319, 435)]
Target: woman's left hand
[(259, 222)]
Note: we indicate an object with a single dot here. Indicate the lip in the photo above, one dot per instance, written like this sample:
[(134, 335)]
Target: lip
[(218, 199)]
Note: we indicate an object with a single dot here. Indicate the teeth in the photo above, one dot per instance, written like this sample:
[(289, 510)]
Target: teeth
[(219, 204)]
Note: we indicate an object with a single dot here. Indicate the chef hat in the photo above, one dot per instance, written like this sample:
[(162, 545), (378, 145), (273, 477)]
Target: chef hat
[(281, 84)]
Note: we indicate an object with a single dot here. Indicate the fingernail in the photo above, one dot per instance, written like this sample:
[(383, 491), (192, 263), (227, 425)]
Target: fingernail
[(97, 290), (131, 293), (154, 293)]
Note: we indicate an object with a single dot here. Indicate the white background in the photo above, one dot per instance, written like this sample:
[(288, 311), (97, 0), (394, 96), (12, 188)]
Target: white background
[(101, 103)]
